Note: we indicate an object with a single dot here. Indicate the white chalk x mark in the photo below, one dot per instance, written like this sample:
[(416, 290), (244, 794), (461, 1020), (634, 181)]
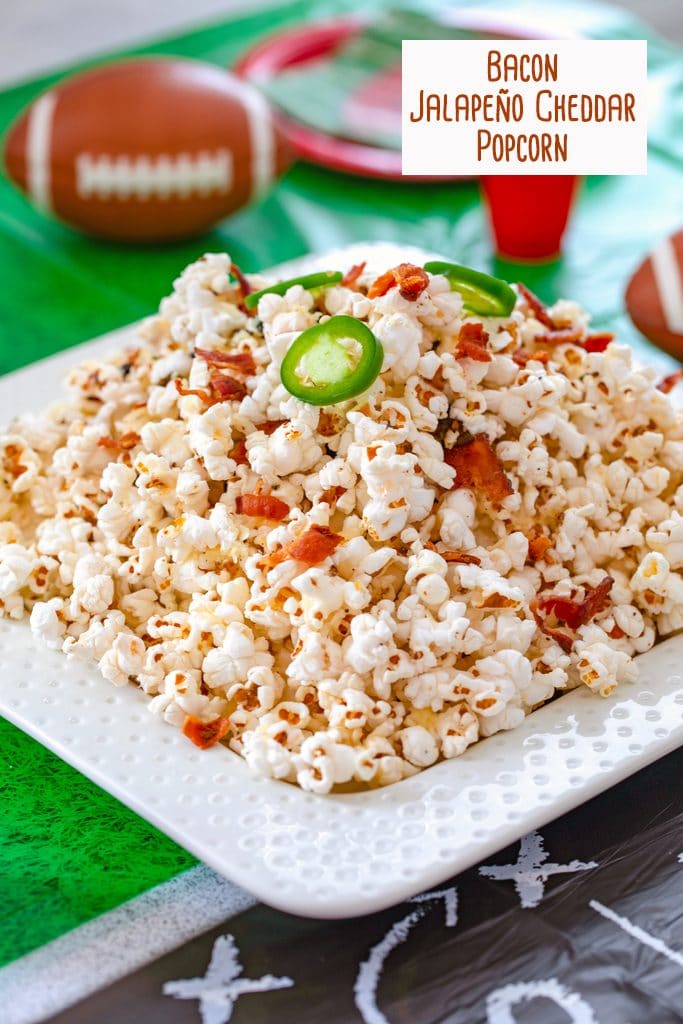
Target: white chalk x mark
[(531, 870), (221, 986)]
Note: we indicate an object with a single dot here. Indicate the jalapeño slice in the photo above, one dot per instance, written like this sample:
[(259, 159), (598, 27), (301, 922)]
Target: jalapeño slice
[(309, 281), (481, 293), (332, 361)]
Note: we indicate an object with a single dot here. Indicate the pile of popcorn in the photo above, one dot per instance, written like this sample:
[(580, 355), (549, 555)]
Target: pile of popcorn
[(346, 595)]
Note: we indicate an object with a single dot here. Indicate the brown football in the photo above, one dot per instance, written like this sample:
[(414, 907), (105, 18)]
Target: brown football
[(145, 150), (654, 296)]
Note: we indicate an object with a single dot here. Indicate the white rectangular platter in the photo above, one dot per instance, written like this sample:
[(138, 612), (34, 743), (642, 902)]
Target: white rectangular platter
[(341, 855)]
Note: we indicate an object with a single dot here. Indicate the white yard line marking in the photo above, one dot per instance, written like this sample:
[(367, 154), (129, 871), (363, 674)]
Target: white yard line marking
[(637, 932), (119, 942), (370, 971), (531, 872), (38, 142), (221, 986)]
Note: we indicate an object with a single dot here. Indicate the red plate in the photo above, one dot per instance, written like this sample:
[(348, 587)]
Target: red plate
[(315, 42)]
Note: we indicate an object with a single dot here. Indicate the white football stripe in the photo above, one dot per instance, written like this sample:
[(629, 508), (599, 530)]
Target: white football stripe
[(109, 947), (182, 175), (669, 285), (38, 142), (262, 135)]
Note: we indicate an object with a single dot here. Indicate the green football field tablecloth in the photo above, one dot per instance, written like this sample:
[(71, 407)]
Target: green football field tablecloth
[(69, 851)]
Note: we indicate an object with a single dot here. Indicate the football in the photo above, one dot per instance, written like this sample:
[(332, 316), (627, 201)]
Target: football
[(654, 296), (146, 150)]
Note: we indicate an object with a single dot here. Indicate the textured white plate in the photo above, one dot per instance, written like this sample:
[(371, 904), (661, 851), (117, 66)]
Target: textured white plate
[(341, 855)]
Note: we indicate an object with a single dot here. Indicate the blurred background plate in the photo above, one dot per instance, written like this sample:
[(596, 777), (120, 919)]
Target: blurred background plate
[(337, 84)]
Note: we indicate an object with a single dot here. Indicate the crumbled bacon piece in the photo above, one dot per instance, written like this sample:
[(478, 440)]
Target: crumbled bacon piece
[(461, 557), (597, 342), (538, 545), (205, 734), (522, 357), (577, 613), (566, 642), (351, 276), (239, 453), (262, 506), (477, 466), (332, 494), (574, 336), (561, 336), (244, 286), (381, 285), (120, 444), (669, 383), (224, 387), (411, 282), (311, 547), (472, 340), (240, 362), (198, 392), (270, 426), (221, 389), (536, 307)]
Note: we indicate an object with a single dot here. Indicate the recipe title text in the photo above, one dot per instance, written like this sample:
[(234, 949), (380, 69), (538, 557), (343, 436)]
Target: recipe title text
[(553, 107)]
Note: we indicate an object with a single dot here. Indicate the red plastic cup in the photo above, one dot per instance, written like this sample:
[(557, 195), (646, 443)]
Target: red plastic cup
[(529, 214)]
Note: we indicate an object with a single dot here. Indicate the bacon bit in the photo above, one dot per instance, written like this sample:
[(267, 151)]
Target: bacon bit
[(332, 494), (221, 389), (224, 387), (561, 336), (522, 357), (352, 274), (239, 453), (669, 383), (472, 340), (313, 546), (381, 285), (120, 444), (573, 336), (270, 426), (183, 391), (244, 286), (597, 342), (578, 613), (538, 545), (240, 362), (538, 308), (460, 557), (411, 282), (565, 642), (205, 734), (262, 506), (477, 466)]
